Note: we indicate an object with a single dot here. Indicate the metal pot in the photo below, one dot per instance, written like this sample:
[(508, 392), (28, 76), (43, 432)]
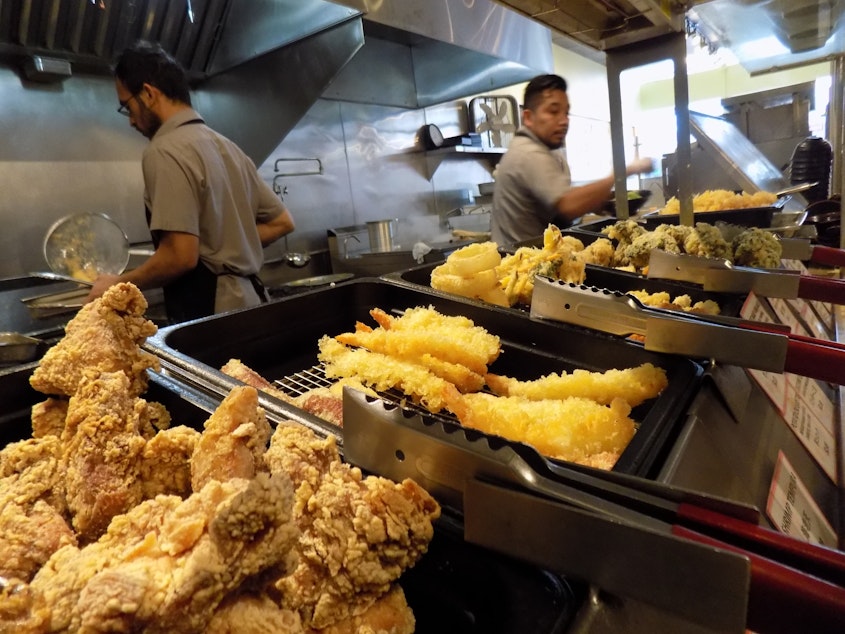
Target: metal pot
[(382, 233)]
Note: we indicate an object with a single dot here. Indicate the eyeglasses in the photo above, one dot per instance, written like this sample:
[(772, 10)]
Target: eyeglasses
[(123, 109)]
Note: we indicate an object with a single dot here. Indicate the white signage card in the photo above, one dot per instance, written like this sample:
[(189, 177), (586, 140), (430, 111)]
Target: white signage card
[(792, 509), (803, 418), (801, 402), (809, 317), (822, 310), (786, 316)]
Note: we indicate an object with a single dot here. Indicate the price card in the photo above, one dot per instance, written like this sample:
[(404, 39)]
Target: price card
[(792, 509), (809, 413), (823, 311), (809, 318), (787, 317), (801, 402)]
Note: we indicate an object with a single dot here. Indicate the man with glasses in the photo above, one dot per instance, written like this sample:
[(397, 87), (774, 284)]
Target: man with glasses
[(209, 212), (533, 185)]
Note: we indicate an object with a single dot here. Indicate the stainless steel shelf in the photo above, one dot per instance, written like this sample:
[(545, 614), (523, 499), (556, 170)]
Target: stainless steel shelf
[(434, 158)]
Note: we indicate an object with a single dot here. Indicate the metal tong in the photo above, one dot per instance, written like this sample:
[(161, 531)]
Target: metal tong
[(729, 340), (803, 249), (631, 537), (717, 274)]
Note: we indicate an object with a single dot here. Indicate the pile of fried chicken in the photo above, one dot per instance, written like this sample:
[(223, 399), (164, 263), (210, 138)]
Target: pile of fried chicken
[(115, 519)]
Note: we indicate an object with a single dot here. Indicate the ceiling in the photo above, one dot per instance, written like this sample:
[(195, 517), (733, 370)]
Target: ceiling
[(605, 24), (763, 35)]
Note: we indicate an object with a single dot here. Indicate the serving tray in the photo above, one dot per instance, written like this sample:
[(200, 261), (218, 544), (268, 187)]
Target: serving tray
[(279, 339)]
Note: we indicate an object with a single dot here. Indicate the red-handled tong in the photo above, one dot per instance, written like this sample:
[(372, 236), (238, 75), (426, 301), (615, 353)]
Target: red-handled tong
[(805, 581), (606, 527), (729, 340), (717, 274), (802, 249)]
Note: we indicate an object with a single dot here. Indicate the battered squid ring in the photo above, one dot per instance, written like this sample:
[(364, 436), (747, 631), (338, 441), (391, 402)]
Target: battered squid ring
[(478, 284), (474, 258)]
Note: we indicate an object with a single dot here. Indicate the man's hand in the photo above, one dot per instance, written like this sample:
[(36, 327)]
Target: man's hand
[(101, 285), (640, 166)]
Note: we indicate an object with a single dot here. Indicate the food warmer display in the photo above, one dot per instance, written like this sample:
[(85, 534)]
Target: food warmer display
[(515, 523)]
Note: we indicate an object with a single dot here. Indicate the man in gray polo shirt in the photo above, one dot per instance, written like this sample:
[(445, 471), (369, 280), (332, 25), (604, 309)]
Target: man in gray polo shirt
[(533, 185), (209, 212)]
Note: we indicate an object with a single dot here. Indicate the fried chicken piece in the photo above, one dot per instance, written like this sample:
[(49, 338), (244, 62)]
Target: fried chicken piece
[(325, 403), (633, 385), (572, 429), (103, 452), (48, 417), (303, 455), (105, 335), (258, 614), (233, 440), (168, 563), (153, 417), (236, 369), (31, 533), (165, 467), (251, 614), (358, 534), (32, 506), (390, 614)]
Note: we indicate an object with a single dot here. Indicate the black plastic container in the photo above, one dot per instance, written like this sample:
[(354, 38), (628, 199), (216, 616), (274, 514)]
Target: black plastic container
[(751, 217), (455, 588), (811, 162), (606, 278), (280, 339)]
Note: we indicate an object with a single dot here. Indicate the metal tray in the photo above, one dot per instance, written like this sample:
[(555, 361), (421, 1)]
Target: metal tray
[(455, 587), (279, 339), (751, 217)]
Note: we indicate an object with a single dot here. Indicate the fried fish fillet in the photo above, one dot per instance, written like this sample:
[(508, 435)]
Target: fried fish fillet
[(633, 385), (450, 338), (571, 429), (383, 372)]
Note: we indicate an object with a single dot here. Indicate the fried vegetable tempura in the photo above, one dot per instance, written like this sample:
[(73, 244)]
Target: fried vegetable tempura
[(721, 200), (633, 385), (756, 247)]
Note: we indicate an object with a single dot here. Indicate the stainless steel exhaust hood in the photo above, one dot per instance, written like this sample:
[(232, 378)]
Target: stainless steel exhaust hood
[(258, 65), (417, 54)]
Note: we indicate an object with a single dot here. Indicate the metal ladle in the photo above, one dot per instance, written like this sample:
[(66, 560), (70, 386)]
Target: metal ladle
[(296, 260)]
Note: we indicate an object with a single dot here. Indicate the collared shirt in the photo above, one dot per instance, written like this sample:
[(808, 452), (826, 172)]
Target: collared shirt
[(199, 182), (530, 180)]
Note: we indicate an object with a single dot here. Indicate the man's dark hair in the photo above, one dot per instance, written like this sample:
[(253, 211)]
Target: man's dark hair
[(537, 86), (148, 63)]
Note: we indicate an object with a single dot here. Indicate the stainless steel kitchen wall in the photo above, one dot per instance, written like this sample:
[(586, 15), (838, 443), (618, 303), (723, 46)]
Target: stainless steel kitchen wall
[(63, 149), (374, 167)]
